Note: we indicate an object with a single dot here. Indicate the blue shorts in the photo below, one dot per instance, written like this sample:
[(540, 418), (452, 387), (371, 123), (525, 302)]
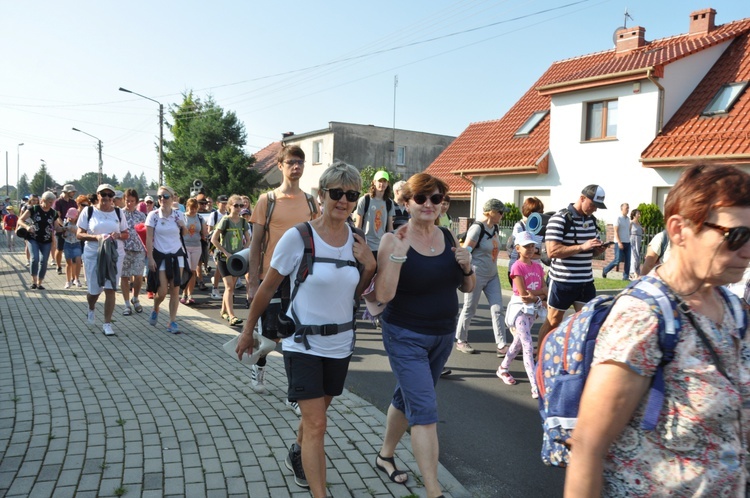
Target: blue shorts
[(72, 251), (417, 361), (562, 295)]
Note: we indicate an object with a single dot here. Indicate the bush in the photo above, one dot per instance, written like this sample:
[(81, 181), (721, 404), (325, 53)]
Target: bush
[(651, 217), (368, 172), (513, 215)]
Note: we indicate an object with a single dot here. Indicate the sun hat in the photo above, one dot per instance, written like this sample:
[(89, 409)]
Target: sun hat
[(148, 198), (69, 187), (119, 194), (72, 213), (105, 186)]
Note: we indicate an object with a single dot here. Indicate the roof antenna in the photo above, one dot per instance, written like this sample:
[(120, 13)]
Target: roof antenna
[(625, 19)]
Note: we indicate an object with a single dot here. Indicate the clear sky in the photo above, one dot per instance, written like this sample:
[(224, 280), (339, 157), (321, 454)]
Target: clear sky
[(284, 66)]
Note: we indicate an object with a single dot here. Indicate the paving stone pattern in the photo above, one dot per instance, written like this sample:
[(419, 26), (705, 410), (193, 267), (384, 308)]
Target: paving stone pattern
[(151, 414)]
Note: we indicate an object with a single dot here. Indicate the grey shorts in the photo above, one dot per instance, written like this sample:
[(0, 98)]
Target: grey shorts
[(133, 264)]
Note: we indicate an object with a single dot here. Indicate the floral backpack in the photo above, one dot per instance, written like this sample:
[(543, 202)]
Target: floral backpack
[(568, 350)]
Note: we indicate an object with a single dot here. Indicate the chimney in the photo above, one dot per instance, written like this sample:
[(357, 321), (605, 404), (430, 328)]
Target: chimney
[(702, 22), (629, 39), (287, 134)]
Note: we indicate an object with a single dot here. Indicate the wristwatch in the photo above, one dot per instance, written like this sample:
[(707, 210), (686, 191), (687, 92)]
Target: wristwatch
[(471, 272)]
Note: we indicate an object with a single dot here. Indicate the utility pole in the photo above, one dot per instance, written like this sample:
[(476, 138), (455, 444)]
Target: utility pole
[(44, 169), (100, 161), (18, 173), (7, 187), (395, 85), (161, 144)]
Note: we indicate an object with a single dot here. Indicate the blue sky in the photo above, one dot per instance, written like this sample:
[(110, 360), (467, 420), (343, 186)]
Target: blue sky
[(291, 66)]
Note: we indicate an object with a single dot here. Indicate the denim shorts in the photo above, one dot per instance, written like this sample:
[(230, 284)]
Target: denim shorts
[(417, 361), (72, 251)]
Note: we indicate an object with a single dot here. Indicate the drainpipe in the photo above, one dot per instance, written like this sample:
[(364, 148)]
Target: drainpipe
[(473, 200), (660, 117)]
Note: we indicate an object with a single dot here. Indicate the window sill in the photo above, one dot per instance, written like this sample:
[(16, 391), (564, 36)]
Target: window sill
[(599, 140)]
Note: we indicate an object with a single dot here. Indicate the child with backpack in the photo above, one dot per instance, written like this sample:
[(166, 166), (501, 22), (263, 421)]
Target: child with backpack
[(527, 304), (10, 221), (71, 249)]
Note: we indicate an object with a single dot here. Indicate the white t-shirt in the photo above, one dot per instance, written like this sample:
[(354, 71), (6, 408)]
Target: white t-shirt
[(326, 296), (166, 231), (101, 223)]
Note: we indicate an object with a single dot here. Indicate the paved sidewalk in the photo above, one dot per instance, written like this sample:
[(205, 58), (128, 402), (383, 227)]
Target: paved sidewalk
[(148, 413)]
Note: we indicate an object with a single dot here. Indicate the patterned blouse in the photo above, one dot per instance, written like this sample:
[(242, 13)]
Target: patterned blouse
[(698, 447)]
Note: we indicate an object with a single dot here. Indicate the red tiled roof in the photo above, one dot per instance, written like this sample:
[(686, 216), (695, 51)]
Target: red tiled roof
[(446, 162), (265, 158), (689, 136), (491, 148), (655, 54)]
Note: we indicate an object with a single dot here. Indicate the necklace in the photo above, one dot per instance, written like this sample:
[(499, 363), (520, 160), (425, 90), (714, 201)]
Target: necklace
[(432, 237)]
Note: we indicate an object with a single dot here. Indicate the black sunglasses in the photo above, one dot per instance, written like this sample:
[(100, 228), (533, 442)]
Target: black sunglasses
[(337, 193), (106, 194), (164, 196), (238, 205), (435, 199), (736, 237)]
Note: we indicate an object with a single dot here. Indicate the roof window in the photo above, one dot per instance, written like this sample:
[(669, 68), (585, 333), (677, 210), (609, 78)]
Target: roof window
[(531, 123), (725, 98)]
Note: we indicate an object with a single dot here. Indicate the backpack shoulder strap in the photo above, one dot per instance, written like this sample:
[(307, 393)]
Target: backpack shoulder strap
[(271, 197), (117, 211), (311, 204), (449, 236), (308, 255), (734, 303), (89, 212), (364, 211), (663, 245)]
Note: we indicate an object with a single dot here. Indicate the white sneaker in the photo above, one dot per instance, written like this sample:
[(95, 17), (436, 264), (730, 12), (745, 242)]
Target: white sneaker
[(90, 318), (294, 406), (78, 283), (258, 379), (67, 285), (107, 327), (215, 294)]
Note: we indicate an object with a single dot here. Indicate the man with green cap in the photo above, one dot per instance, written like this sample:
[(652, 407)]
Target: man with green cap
[(375, 211)]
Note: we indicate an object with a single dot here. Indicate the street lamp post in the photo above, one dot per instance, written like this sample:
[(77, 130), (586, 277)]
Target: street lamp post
[(161, 131), (99, 148), (18, 173)]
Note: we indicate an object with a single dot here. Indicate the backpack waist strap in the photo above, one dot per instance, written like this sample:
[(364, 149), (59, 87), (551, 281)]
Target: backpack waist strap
[(324, 330)]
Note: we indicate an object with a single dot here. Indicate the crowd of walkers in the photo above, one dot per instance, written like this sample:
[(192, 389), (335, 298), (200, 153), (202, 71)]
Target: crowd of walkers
[(392, 247)]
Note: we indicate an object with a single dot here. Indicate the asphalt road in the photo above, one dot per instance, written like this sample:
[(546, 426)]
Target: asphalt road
[(490, 433)]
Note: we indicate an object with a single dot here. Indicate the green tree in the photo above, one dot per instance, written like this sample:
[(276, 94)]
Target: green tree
[(208, 145), (89, 182), (368, 172), (512, 215), (23, 185), (41, 181), (651, 217)]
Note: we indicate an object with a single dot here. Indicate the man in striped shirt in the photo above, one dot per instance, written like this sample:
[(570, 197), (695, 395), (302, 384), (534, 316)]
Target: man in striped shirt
[(572, 241)]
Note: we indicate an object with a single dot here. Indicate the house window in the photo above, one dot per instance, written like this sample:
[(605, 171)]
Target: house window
[(531, 123), (725, 98), (317, 151), (601, 120), (400, 155)]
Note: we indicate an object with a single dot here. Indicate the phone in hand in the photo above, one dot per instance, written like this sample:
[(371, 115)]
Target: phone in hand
[(607, 244)]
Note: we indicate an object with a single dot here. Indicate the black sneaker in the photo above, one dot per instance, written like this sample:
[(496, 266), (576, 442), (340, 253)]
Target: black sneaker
[(294, 463)]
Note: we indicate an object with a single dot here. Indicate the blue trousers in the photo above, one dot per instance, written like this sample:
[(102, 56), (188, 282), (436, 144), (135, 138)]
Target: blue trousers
[(621, 256), (39, 257)]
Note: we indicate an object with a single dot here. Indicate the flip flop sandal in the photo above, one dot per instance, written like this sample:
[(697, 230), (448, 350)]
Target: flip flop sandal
[(506, 377), (235, 321), (127, 312), (225, 316), (393, 475)]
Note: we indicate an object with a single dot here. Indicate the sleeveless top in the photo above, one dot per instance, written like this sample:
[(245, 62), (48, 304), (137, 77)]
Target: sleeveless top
[(426, 300)]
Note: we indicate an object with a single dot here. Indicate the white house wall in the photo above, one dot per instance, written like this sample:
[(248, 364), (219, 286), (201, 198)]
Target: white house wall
[(574, 163), (311, 176)]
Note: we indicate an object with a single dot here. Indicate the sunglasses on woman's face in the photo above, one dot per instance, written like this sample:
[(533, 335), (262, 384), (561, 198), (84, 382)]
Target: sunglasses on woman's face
[(337, 193), (435, 199), (164, 196), (238, 205), (107, 194), (736, 237)]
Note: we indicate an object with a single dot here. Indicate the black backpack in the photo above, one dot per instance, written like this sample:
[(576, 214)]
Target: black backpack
[(462, 236), (290, 326), (568, 217), (388, 205)]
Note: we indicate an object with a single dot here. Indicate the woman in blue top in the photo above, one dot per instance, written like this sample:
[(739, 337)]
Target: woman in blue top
[(419, 268)]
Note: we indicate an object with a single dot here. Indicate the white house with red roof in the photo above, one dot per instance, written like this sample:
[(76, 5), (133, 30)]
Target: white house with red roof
[(629, 118)]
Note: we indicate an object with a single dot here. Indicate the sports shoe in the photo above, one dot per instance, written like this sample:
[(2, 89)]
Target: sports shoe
[(150, 295), (173, 328), (294, 406), (215, 294), (258, 379), (534, 393), (78, 283), (90, 318), (465, 347), (107, 327), (153, 318), (59, 271), (294, 463), (67, 285), (505, 376)]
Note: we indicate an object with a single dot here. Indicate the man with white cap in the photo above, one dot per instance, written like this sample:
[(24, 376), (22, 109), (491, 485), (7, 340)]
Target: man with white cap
[(572, 242), (62, 205)]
